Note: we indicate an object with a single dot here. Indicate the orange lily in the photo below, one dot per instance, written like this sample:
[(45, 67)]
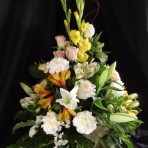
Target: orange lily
[(66, 114), (46, 103), (60, 78), (40, 89)]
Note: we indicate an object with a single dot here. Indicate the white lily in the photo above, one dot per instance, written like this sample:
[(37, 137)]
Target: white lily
[(69, 99)]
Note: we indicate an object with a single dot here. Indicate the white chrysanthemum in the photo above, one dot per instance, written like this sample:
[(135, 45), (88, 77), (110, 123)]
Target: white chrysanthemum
[(25, 102), (86, 70), (57, 65), (50, 124), (84, 122), (119, 86), (33, 131), (86, 89), (89, 32)]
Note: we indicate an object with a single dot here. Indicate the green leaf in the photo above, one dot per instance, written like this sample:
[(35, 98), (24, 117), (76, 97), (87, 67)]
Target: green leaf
[(101, 69), (102, 57), (24, 115), (26, 88), (78, 140), (97, 134), (128, 143), (23, 124), (35, 72), (97, 37), (39, 140), (122, 117), (111, 70), (98, 103), (112, 88), (103, 78)]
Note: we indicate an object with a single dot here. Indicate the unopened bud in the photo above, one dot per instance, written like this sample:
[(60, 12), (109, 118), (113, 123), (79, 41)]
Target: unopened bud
[(133, 104), (133, 111), (65, 22), (128, 102), (82, 6), (110, 108), (38, 110), (133, 96), (123, 109), (76, 15)]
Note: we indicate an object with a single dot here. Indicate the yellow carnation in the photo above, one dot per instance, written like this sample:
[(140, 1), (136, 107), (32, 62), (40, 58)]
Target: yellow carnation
[(74, 36), (82, 56), (84, 44), (84, 26)]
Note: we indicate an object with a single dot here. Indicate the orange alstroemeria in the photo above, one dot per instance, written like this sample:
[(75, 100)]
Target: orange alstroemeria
[(60, 78), (40, 89), (46, 103), (66, 114)]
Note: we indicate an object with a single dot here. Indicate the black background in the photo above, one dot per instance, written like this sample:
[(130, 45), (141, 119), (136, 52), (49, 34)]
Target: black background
[(27, 31)]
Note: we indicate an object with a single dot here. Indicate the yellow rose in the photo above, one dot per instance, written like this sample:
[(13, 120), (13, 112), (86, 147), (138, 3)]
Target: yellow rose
[(74, 36), (82, 56), (84, 44), (84, 26)]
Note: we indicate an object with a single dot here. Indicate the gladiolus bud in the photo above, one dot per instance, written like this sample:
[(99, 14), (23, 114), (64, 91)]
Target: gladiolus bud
[(82, 6), (76, 15), (65, 22), (133, 96)]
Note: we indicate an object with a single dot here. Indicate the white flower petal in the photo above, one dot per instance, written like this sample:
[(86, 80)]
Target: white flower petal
[(64, 93), (84, 122), (69, 99)]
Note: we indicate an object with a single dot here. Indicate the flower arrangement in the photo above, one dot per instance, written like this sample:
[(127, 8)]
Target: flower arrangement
[(79, 102)]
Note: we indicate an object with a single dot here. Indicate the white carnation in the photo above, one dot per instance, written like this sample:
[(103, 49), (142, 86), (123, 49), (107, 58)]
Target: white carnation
[(119, 86), (57, 65), (91, 69), (33, 131), (86, 70), (89, 32), (84, 122), (25, 102), (86, 89), (50, 124)]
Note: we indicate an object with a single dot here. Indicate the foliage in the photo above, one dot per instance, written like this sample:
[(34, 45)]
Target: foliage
[(79, 101)]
